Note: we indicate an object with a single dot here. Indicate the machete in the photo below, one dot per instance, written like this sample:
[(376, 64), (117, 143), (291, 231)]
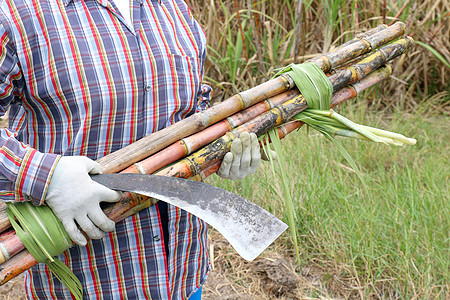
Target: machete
[(247, 227)]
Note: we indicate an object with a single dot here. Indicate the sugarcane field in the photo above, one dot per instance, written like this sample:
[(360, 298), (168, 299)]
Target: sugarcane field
[(350, 103)]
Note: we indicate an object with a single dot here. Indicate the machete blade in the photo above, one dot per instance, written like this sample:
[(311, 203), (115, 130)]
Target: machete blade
[(249, 228)]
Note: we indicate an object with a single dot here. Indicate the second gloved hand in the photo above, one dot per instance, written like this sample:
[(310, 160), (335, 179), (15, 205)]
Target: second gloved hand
[(75, 197), (243, 159)]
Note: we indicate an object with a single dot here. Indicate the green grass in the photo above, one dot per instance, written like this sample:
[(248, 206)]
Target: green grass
[(395, 235)]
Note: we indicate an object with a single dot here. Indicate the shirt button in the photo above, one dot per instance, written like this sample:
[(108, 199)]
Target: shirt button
[(148, 88), (156, 238)]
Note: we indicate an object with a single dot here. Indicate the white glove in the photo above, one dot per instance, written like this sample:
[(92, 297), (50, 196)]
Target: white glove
[(75, 197), (243, 158)]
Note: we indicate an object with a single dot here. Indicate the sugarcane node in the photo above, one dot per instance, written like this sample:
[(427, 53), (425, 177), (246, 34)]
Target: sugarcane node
[(289, 82), (194, 167), (269, 104), (265, 90), (3, 258), (233, 121), (397, 48), (185, 145), (139, 168), (246, 100), (218, 147), (323, 62), (10, 246)]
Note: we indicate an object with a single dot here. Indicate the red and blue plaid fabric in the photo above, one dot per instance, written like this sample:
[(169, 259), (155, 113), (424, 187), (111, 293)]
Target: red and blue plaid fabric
[(78, 80)]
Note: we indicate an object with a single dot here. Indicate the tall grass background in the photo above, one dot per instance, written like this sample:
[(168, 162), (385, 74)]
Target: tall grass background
[(247, 40), (391, 240)]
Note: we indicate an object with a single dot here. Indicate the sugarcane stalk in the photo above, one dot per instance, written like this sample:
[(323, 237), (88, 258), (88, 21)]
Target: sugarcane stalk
[(150, 144), (132, 203), (194, 142), (153, 143), (371, 62), (191, 165), (359, 47), (209, 162), (361, 36), (357, 38)]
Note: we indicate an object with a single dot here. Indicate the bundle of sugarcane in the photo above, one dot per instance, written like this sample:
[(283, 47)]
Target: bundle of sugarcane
[(193, 148)]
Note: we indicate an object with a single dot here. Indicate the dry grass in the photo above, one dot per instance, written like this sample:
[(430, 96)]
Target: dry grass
[(249, 39)]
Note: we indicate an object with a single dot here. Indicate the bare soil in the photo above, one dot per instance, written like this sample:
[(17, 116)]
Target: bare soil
[(13, 290), (274, 275)]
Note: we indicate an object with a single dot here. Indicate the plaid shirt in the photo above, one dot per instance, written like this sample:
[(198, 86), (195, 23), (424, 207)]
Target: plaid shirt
[(79, 80)]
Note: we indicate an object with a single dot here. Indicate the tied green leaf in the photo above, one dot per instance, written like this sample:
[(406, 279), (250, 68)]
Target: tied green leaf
[(317, 90), (44, 237), (312, 83)]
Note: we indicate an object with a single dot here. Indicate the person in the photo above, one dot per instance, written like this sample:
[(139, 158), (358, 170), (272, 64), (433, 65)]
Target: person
[(81, 79)]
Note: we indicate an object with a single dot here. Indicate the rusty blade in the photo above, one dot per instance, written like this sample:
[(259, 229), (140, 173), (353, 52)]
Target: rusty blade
[(249, 228)]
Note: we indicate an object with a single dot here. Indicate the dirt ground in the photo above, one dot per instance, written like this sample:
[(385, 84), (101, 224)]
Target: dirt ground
[(271, 276), (13, 290), (274, 275)]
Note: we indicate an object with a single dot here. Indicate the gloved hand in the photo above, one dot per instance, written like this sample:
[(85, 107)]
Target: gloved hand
[(74, 197), (266, 156), (243, 158)]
